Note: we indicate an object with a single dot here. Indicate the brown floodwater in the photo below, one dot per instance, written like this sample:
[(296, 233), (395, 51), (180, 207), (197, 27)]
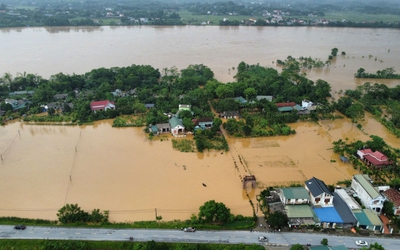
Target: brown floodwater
[(119, 169)]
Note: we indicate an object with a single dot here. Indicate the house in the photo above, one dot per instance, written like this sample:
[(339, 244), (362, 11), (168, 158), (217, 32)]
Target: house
[(345, 213), (149, 105), (368, 219), (368, 194), (204, 122), (266, 97), (17, 104), (184, 107), (176, 125), (163, 127), (240, 100), (101, 105), (320, 195), (294, 195), (299, 215), (285, 106), (393, 196), (23, 92), (376, 159), (229, 114), (309, 105), (350, 202), (60, 96), (118, 93)]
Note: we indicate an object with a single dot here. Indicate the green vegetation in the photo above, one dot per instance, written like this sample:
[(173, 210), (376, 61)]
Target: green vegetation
[(378, 99), (72, 213), (94, 245), (388, 73), (183, 145), (129, 121), (379, 175), (324, 242)]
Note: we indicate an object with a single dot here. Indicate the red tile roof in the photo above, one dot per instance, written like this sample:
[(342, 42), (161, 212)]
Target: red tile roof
[(376, 158), (393, 195), (99, 105), (285, 104)]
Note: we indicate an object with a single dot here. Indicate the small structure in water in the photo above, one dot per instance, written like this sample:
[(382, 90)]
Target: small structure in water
[(249, 178)]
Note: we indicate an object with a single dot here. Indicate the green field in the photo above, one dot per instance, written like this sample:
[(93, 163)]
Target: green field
[(349, 16), (198, 19)]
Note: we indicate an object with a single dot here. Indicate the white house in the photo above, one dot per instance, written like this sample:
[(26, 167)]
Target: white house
[(177, 128), (294, 195), (368, 194), (320, 195), (306, 104)]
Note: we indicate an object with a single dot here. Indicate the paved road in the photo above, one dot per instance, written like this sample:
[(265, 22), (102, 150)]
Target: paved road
[(246, 237)]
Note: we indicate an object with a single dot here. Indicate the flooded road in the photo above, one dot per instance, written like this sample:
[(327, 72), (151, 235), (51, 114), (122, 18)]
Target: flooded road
[(119, 169)]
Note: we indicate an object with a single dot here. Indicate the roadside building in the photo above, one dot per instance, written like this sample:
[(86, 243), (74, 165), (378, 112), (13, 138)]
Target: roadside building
[(294, 195), (320, 196), (300, 215), (368, 219), (368, 194)]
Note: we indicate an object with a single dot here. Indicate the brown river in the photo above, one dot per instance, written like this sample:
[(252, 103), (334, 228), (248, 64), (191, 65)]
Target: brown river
[(119, 169)]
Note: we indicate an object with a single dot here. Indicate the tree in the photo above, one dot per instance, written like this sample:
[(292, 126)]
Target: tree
[(250, 93), (214, 212), (324, 241), (71, 213), (355, 112), (277, 219), (375, 246), (388, 209), (297, 247)]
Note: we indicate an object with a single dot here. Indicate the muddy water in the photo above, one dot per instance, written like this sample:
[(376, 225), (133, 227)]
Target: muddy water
[(48, 51), (44, 167)]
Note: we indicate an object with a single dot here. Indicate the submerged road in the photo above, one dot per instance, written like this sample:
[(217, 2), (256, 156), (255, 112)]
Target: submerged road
[(228, 237)]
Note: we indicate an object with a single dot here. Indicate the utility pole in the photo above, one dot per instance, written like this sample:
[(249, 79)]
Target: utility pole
[(155, 210)]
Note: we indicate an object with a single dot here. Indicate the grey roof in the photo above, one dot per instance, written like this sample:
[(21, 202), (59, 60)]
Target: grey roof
[(268, 97), (60, 96), (317, 187), (295, 193), (343, 210), (160, 126), (149, 105)]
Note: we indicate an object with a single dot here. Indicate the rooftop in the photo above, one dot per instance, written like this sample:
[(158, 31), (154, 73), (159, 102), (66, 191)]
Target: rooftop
[(367, 217), (328, 214), (365, 182), (351, 203), (295, 193), (317, 187), (343, 210), (299, 211), (393, 195)]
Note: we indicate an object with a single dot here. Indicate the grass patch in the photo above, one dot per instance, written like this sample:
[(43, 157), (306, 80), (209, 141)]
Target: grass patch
[(198, 19), (183, 145)]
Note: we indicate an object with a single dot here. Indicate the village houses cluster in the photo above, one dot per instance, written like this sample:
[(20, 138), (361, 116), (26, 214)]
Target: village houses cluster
[(315, 205)]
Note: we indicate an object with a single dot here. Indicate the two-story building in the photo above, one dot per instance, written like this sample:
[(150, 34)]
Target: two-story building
[(368, 194), (320, 195)]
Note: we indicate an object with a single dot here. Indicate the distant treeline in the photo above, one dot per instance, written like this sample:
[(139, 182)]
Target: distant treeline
[(19, 13), (388, 73)]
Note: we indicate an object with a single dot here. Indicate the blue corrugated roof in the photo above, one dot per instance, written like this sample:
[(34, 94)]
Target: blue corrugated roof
[(328, 214)]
